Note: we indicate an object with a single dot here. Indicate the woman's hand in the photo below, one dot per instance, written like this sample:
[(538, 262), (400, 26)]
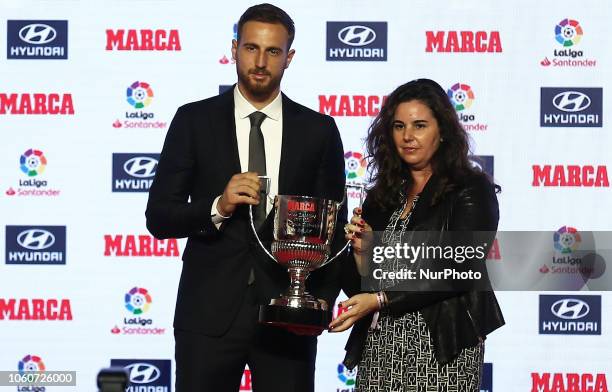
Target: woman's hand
[(359, 233), (358, 306)]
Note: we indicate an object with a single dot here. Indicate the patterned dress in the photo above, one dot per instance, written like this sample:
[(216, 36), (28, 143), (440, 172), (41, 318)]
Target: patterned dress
[(398, 356)]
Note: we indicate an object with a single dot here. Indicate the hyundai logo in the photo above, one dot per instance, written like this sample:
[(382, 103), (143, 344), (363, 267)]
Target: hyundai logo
[(357, 35), (143, 373), (37, 34), (141, 167), (35, 239), (571, 101), (570, 309)]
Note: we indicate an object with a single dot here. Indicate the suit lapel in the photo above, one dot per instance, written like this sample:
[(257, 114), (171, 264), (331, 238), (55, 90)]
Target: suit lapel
[(225, 124), (290, 147)]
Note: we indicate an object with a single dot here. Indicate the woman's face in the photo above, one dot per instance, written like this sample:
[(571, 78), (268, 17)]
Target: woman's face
[(416, 134)]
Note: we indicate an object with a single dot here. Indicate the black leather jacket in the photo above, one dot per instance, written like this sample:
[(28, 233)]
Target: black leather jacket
[(455, 319)]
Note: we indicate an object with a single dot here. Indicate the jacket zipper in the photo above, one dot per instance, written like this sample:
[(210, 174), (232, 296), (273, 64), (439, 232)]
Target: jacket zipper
[(473, 322)]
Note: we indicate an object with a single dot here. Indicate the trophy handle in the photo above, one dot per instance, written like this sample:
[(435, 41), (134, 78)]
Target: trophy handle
[(265, 183), (361, 188), (252, 223)]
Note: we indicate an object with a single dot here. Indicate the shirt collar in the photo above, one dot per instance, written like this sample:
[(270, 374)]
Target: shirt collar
[(244, 108)]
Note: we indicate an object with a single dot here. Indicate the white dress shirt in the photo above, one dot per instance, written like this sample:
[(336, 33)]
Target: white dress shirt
[(272, 130)]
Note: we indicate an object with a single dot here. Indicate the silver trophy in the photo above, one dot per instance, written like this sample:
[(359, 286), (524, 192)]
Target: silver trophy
[(303, 232)]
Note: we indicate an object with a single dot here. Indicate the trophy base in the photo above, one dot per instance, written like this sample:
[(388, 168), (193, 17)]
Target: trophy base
[(306, 321)]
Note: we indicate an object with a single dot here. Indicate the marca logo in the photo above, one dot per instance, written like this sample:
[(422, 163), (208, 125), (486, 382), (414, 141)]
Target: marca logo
[(146, 374), (158, 40), (36, 245), (571, 107), (35, 309), (570, 175), (351, 105), (133, 172), (13, 103), (141, 245), (568, 382), (570, 315), (463, 42), (37, 39), (356, 41), (483, 163)]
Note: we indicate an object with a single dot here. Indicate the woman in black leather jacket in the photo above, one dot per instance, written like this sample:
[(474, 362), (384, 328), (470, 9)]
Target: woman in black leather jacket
[(422, 338)]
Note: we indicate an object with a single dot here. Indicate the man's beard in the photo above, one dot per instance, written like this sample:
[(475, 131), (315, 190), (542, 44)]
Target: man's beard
[(259, 89)]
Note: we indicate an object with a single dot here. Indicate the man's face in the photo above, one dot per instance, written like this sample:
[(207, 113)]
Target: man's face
[(261, 58)]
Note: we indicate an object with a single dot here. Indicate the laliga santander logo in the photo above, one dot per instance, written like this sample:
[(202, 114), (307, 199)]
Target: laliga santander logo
[(568, 32), (347, 376), (138, 300), (354, 165), (33, 162), (566, 239), (225, 60), (461, 96), (31, 363), (139, 95)]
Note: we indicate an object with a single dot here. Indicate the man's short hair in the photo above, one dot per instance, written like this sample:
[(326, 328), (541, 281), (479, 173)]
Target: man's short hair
[(268, 13)]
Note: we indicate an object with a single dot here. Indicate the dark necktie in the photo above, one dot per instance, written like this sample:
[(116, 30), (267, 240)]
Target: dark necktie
[(257, 162)]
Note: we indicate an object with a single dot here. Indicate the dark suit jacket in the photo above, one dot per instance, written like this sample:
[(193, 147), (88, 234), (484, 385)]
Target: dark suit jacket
[(199, 157)]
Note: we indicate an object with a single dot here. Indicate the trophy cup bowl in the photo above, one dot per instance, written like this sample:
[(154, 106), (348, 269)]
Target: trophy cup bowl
[(303, 231)]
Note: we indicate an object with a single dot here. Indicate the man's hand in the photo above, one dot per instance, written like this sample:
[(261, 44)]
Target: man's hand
[(242, 188), (358, 306)]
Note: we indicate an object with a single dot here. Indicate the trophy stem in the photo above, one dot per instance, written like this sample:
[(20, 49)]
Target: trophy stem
[(298, 275)]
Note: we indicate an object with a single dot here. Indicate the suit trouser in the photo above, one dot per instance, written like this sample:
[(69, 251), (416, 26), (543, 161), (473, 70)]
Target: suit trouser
[(280, 361)]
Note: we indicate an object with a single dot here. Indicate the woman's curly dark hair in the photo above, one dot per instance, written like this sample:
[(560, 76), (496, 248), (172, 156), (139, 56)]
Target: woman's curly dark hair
[(390, 175)]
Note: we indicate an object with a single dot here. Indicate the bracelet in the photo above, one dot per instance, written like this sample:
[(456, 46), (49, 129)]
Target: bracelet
[(381, 298)]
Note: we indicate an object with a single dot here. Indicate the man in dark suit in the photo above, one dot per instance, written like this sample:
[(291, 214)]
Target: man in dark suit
[(206, 179)]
